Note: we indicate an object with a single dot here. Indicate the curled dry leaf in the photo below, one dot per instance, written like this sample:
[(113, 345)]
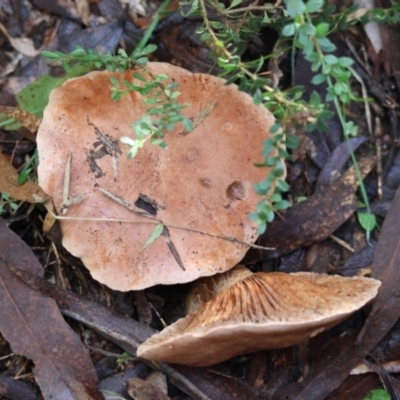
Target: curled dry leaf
[(84, 10), (25, 118), (29, 191), (23, 45), (154, 387)]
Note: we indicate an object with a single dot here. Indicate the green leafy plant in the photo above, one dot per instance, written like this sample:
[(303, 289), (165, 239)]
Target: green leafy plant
[(6, 204), (366, 220), (304, 26), (111, 395), (378, 394), (94, 60), (29, 168), (124, 358), (163, 111)]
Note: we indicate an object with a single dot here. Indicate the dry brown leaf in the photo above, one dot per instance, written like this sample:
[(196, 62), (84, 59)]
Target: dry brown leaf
[(48, 222), (84, 10), (35, 328), (28, 120), (201, 116), (150, 389), (23, 45), (29, 191)]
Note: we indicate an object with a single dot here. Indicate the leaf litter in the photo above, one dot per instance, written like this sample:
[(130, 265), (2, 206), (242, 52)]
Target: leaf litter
[(323, 255), (34, 327)]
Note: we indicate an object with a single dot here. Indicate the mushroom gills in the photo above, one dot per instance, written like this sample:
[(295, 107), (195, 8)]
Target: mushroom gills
[(259, 312)]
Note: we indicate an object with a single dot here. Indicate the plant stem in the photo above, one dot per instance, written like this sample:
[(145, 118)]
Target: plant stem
[(153, 25)]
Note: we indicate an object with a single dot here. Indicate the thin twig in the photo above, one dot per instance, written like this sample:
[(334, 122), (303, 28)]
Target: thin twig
[(67, 175), (378, 142), (129, 206), (365, 99), (250, 8), (154, 222), (108, 353), (342, 243)]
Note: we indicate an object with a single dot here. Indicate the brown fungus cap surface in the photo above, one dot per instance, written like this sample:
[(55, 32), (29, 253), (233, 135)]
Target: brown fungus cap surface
[(262, 311), (203, 181)]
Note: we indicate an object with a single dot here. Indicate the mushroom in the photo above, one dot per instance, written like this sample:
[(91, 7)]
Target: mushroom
[(200, 187), (259, 312)]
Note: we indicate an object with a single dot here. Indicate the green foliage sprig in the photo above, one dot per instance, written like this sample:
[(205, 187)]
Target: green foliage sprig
[(313, 41), (284, 104), (6, 204), (163, 111), (308, 25), (29, 168), (111, 62), (378, 394)]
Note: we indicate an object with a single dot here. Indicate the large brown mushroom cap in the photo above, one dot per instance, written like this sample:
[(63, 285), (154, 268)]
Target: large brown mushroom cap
[(203, 181), (262, 311)]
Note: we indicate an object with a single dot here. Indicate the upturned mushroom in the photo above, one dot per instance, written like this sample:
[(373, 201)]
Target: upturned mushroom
[(258, 312), (200, 187)]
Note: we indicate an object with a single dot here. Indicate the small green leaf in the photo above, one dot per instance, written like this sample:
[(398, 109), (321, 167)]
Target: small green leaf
[(262, 226), (318, 79), (281, 205), (138, 76), (157, 231), (321, 30), (24, 176), (314, 5), (275, 128), (315, 99), (289, 30), (257, 97), (338, 88), (142, 61), (282, 185), (150, 48), (112, 395), (127, 140), (132, 152), (115, 82), (295, 7), (50, 55), (234, 4), (378, 394), (292, 141), (330, 59), (326, 45), (345, 62), (307, 29), (367, 221), (116, 95), (78, 51)]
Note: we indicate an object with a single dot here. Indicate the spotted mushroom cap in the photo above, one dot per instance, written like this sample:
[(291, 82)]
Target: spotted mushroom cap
[(262, 311), (203, 182)]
